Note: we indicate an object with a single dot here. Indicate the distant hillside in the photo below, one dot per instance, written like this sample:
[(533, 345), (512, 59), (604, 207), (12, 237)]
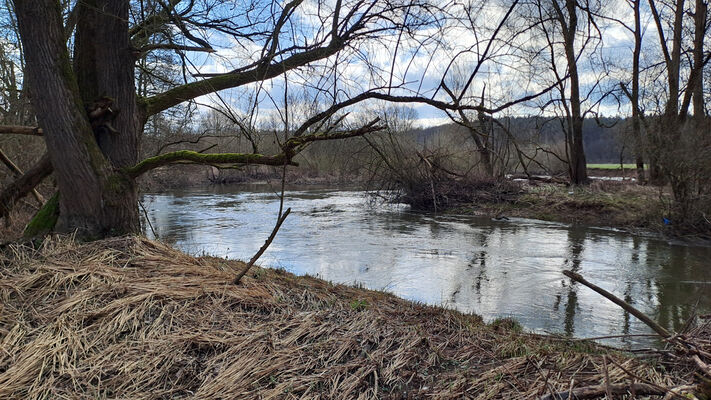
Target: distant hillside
[(601, 141)]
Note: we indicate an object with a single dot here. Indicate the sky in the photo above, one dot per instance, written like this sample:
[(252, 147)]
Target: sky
[(515, 65)]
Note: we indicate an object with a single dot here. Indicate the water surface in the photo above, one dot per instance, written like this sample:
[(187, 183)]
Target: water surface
[(473, 264)]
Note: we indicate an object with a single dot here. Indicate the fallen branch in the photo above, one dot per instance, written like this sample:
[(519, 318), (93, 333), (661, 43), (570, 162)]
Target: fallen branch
[(17, 172), (626, 306), (24, 184), (263, 248), (705, 368), (591, 392), (20, 130)]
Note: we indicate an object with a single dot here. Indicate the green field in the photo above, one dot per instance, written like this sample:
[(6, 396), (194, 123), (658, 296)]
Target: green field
[(612, 166)]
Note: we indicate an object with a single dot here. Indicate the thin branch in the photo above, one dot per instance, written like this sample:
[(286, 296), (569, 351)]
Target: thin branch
[(20, 130), (188, 156), (626, 306), (263, 248)]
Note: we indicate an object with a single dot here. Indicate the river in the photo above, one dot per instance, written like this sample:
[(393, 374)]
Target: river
[(473, 264)]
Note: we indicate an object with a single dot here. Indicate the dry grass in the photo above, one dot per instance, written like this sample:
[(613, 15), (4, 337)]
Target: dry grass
[(602, 203), (132, 318)]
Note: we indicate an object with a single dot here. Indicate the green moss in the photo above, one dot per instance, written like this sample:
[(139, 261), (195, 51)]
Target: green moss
[(200, 158), (44, 221)]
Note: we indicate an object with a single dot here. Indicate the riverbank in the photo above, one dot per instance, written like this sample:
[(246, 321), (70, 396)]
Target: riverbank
[(182, 176), (612, 203), (133, 318), (622, 205)]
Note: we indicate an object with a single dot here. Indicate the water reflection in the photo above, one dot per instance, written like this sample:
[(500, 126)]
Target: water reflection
[(492, 268)]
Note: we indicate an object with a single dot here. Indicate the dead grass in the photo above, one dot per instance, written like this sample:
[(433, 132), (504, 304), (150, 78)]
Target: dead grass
[(132, 318), (602, 203)]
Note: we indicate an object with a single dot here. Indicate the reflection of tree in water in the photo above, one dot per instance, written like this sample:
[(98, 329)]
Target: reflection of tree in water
[(682, 284), (478, 260), (625, 315), (576, 240)]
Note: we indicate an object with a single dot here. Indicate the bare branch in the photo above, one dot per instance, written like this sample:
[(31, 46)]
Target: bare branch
[(19, 188), (188, 156), (20, 130)]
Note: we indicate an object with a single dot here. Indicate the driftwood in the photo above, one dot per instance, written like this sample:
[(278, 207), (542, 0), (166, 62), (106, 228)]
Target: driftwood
[(263, 248)]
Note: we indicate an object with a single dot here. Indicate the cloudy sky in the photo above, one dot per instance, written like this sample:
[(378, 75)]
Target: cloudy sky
[(515, 63)]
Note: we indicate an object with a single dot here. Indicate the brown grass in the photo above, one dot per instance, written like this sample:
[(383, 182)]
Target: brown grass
[(132, 318), (602, 203)]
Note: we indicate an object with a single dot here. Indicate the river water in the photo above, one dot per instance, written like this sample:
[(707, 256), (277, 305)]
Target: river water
[(472, 264)]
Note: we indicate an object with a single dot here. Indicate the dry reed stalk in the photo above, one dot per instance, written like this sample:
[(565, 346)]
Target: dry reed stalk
[(133, 318)]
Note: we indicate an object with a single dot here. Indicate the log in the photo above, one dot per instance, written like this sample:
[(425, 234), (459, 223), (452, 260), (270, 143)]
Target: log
[(20, 130)]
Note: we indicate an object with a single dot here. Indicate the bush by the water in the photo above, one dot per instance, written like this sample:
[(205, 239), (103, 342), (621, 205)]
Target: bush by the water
[(448, 191)]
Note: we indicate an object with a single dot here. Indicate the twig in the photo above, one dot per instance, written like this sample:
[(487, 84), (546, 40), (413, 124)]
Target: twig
[(668, 391), (608, 391), (145, 213), (263, 248), (591, 392), (626, 306), (702, 365)]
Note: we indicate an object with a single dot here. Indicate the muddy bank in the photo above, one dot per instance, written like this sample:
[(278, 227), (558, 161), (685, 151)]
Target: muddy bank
[(133, 318)]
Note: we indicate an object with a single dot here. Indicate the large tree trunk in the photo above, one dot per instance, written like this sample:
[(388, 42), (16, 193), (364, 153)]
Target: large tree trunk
[(104, 66), (95, 200)]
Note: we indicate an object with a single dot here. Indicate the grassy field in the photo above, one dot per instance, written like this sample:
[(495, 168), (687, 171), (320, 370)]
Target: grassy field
[(612, 166)]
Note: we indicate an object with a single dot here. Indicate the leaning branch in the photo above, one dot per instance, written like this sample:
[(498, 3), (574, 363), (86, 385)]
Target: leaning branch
[(20, 130), (193, 157), (23, 185), (626, 306), (17, 172), (189, 91), (263, 248)]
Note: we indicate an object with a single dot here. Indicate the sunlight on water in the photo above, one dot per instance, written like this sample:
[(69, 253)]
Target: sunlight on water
[(473, 264)]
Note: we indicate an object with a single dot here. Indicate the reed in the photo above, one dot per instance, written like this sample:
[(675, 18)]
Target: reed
[(134, 318)]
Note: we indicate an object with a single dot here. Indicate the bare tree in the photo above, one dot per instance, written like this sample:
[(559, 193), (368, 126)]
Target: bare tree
[(571, 33), (92, 118)]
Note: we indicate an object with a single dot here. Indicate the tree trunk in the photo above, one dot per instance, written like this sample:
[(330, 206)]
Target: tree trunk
[(95, 200), (698, 82), (484, 152), (634, 98), (578, 163)]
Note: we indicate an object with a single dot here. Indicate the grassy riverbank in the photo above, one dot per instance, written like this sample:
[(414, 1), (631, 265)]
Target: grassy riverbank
[(613, 204), (133, 318)]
